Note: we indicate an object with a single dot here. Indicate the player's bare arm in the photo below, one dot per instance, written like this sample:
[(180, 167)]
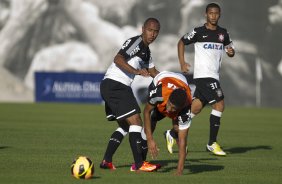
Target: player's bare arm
[(122, 64), (183, 65), (152, 146), (182, 137)]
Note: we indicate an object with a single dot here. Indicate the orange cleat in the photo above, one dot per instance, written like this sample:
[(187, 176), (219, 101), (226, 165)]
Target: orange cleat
[(146, 167)]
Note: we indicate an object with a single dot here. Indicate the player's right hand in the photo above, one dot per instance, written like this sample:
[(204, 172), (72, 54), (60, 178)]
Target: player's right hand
[(143, 72), (178, 173)]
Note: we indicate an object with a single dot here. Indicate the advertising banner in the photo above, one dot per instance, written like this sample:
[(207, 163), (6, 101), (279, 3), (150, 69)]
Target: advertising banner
[(68, 87)]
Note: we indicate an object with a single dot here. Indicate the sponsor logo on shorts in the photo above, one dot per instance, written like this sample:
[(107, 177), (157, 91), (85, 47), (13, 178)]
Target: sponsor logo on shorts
[(219, 92)]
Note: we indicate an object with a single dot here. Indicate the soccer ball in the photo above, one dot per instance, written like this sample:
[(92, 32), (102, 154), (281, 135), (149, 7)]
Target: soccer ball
[(82, 168)]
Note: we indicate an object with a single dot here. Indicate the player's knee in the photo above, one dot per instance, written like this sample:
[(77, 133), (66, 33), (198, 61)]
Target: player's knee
[(134, 120), (219, 106), (196, 107), (196, 111)]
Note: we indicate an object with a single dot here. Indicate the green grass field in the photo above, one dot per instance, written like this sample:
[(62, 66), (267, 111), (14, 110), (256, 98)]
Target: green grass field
[(38, 143)]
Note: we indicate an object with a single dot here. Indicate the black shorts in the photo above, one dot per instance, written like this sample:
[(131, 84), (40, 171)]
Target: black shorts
[(156, 115), (208, 90), (120, 102)]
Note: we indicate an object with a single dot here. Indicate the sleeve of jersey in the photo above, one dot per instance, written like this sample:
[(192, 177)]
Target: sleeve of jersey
[(227, 40), (184, 119), (189, 38), (155, 94), (124, 49)]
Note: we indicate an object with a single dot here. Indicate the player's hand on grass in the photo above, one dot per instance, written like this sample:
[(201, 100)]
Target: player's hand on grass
[(153, 149), (178, 173)]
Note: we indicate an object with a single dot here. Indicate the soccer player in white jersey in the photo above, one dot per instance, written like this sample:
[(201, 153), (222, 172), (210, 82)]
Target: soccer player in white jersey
[(134, 58), (210, 42)]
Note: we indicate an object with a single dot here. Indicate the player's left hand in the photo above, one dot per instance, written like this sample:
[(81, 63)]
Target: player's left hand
[(230, 51)]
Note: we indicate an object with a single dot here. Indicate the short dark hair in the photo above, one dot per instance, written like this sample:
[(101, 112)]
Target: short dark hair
[(151, 19), (178, 97), (212, 5)]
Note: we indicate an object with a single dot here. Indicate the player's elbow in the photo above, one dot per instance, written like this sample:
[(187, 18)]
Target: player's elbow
[(118, 59)]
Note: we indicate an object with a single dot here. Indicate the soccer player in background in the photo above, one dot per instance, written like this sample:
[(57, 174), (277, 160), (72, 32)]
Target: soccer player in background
[(134, 58), (169, 96), (210, 41)]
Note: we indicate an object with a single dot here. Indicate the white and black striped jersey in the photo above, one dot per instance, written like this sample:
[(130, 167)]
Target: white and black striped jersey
[(209, 48), (136, 54)]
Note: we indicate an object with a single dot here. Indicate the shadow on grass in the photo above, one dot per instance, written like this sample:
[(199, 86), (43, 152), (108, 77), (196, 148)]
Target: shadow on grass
[(238, 150), (193, 165), (4, 147), (235, 150), (94, 177), (198, 165)]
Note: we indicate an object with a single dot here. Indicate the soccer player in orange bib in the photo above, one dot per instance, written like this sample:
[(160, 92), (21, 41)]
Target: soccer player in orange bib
[(169, 95)]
